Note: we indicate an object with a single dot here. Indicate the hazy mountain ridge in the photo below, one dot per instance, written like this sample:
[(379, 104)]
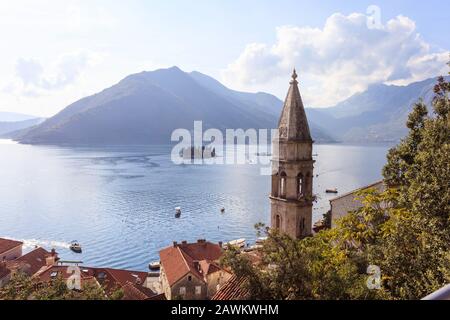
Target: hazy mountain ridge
[(145, 108), (376, 115), (15, 117), (7, 127)]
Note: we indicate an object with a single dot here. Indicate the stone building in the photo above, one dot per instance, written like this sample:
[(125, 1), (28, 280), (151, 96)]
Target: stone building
[(292, 169), (10, 249), (191, 271)]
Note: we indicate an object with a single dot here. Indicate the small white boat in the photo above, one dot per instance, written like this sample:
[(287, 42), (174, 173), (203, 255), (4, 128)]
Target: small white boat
[(75, 246), (239, 243), (177, 212), (260, 240), (155, 265)]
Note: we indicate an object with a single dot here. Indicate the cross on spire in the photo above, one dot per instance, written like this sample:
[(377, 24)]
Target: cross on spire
[(294, 77)]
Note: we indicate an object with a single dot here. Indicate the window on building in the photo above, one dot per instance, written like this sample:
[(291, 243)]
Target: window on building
[(182, 291), (189, 278), (282, 192), (302, 226), (198, 290), (300, 185), (277, 221)]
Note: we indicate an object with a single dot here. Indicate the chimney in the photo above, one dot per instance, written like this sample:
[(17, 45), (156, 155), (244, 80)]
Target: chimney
[(175, 244), (201, 241), (220, 244), (50, 260), (184, 242)]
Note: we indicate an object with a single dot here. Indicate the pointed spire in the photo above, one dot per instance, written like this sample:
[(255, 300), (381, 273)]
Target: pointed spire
[(293, 124)]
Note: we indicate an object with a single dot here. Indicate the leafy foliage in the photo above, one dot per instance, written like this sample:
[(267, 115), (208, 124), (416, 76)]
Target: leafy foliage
[(22, 287)]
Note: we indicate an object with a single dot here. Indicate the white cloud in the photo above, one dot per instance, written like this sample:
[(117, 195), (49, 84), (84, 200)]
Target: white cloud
[(33, 79), (338, 60)]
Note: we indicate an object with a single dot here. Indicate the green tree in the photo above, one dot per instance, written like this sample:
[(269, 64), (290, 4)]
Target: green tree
[(22, 287)]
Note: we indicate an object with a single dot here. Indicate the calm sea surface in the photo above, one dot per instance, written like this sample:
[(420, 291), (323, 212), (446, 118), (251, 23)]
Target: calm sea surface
[(118, 202)]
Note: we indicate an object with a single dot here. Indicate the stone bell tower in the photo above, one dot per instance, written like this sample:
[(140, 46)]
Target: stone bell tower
[(292, 169)]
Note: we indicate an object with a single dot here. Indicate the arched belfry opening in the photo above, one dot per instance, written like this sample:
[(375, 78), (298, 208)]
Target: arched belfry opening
[(291, 196)]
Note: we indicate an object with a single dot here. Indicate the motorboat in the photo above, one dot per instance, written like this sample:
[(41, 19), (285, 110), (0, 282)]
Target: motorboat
[(155, 265), (331, 190), (177, 212), (222, 210), (75, 246)]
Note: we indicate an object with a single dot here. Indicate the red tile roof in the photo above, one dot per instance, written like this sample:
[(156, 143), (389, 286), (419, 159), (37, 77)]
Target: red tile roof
[(121, 276), (7, 244), (31, 262), (51, 272), (233, 289), (131, 282), (136, 292), (179, 260)]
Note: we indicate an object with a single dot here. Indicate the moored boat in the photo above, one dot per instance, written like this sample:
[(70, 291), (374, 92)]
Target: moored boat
[(331, 190), (239, 243)]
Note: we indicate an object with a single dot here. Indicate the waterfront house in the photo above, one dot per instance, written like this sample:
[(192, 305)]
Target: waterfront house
[(191, 270), (33, 261), (10, 249)]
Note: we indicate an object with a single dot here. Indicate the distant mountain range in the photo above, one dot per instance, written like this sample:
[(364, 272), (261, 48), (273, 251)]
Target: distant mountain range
[(145, 108), (11, 122), (13, 117), (376, 115)]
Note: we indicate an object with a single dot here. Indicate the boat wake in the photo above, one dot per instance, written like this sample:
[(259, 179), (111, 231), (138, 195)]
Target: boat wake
[(47, 244)]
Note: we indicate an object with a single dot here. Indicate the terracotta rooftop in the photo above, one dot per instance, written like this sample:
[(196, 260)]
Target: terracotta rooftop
[(130, 281), (7, 244), (196, 258), (137, 292), (31, 262), (233, 289)]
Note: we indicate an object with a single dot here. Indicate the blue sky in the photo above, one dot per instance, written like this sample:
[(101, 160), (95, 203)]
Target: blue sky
[(55, 52)]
